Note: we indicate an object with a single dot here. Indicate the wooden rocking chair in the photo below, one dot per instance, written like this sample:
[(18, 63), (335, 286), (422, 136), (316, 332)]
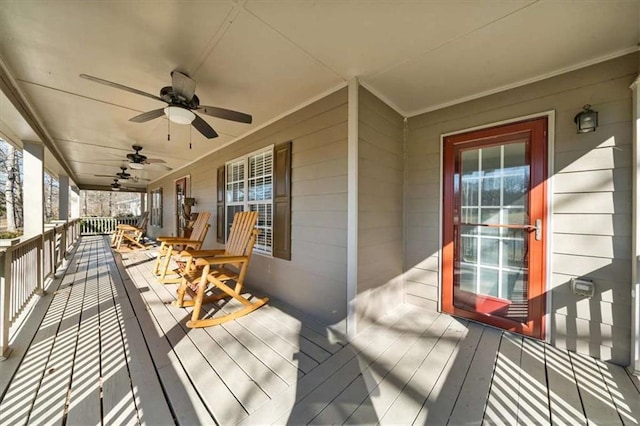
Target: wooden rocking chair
[(172, 245), (132, 233), (213, 273)]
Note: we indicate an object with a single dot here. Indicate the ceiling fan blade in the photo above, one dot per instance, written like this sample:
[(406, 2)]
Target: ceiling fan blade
[(204, 128), (183, 85), (147, 116), (107, 176), (120, 86), (154, 161), (226, 114)]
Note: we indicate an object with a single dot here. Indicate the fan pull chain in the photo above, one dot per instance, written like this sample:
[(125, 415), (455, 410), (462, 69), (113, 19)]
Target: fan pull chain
[(169, 127), (189, 137)]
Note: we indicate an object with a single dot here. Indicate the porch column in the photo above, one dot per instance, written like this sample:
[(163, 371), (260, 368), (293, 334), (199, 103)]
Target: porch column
[(635, 250), (75, 202), (352, 207), (63, 197), (33, 201), (143, 199)]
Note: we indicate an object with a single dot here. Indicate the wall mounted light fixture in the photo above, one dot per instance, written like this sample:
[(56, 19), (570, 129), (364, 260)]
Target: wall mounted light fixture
[(586, 120)]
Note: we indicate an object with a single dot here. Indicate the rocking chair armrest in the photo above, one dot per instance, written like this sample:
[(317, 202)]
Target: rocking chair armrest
[(220, 260), (201, 253), (124, 227), (175, 240)]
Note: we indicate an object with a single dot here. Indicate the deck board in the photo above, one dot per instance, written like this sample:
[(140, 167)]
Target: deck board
[(118, 402), (441, 400), (84, 393), (533, 404), (469, 408), (503, 400), (112, 349), (184, 404), (408, 403), (217, 397), (51, 396), (565, 404), (596, 399), (388, 386), (624, 394), (248, 378)]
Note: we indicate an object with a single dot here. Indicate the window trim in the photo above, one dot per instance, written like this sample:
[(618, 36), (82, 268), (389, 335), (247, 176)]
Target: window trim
[(246, 202)]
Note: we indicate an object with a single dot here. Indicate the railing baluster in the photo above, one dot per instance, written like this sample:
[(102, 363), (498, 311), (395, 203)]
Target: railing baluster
[(20, 281), (5, 300)]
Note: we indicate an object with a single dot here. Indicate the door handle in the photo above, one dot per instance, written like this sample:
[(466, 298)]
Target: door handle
[(537, 227)]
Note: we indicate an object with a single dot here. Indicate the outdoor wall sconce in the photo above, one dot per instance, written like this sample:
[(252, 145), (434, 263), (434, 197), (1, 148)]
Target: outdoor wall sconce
[(586, 120)]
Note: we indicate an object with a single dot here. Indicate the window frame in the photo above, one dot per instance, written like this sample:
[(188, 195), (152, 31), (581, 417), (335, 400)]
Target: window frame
[(246, 203)]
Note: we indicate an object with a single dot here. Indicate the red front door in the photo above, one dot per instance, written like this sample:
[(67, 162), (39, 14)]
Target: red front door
[(493, 254)]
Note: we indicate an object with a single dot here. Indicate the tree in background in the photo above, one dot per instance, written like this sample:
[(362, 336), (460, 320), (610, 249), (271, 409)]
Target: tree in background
[(109, 203), (11, 173), (51, 196)]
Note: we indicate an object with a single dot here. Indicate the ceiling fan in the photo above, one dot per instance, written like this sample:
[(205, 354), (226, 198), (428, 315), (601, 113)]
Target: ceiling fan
[(115, 186), (137, 161), (181, 101), (123, 175)]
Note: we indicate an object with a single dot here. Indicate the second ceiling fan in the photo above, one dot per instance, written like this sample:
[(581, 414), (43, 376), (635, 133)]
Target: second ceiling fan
[(181, 103)]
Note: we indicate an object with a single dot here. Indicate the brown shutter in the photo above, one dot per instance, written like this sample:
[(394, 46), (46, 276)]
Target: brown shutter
[(282, 201), (220, 205)]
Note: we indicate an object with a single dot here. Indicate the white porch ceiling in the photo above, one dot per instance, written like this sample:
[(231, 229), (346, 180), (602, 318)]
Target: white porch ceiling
[(267, 57)]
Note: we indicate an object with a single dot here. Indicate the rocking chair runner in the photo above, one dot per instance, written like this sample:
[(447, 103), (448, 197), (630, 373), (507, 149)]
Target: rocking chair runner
[(133, 234), (168, 247), (207, 273)]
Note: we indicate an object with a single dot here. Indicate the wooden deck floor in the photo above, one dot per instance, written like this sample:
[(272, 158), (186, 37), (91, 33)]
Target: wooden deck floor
[(111, 349)]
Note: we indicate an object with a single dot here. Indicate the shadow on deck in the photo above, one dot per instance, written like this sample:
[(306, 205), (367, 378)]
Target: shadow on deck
[(111, 348)]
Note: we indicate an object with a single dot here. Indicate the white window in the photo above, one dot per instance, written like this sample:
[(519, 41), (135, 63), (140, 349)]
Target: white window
[(249, 187)]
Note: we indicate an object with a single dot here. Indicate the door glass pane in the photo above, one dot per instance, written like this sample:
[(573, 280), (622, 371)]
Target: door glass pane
[(491, 259)]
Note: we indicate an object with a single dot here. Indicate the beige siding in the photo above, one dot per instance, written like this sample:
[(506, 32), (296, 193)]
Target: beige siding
[(591, 199), (315, 279), (380, 208)]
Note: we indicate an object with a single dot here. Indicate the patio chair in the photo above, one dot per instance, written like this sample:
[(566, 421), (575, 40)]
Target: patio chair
[(173, 245), (132, 233), (206, 272)]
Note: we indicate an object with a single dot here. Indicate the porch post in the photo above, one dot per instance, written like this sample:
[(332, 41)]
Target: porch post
[(63, 197), (75, 202), (33, 204), (635, 250), (352, 207), (5, 301), (143, 198)]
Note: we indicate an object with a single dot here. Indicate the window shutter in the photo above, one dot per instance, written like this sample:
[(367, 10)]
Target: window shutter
[(282, 201), (220, 206)]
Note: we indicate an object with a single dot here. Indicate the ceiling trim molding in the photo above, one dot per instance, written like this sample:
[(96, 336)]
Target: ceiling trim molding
[(521, 83), (108, 188), (10, 88), (258, 128)]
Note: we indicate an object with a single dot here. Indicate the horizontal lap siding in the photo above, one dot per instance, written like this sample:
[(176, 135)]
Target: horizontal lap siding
[(314, 281), (380, 208), (591, 199)]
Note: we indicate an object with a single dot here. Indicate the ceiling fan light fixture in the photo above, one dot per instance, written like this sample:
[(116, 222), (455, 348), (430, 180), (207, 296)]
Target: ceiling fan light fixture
[(179, 115), (136, 166), (115, 188)]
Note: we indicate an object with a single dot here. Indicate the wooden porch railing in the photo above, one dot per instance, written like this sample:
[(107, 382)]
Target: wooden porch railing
[(104, 225), (24, 268)]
